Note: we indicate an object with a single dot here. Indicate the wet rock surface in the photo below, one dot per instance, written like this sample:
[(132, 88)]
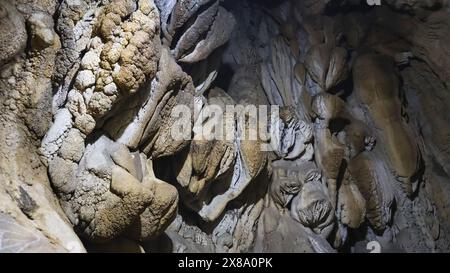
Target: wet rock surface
[(353, 147)]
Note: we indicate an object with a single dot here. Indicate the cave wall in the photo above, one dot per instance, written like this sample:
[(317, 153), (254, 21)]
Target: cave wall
[(357, 136)]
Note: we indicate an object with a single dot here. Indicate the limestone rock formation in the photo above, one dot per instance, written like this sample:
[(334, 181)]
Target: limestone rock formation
[(224, 126)]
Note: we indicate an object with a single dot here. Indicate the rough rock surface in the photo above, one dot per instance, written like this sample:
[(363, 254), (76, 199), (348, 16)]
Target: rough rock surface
[(109, 141)]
